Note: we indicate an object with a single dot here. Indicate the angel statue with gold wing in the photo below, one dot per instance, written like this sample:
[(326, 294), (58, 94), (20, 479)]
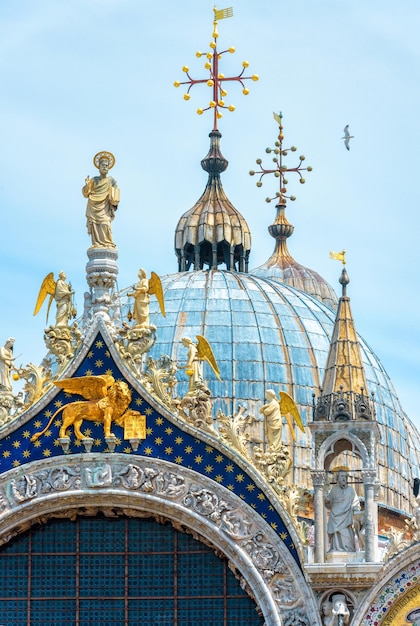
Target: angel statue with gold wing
[(197, 353), (62, 293), (273, 412), (141, 294)]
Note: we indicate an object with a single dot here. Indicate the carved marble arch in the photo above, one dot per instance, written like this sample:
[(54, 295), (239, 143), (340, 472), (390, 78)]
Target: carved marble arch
[(395, 592), (145, 487), (338, 443)]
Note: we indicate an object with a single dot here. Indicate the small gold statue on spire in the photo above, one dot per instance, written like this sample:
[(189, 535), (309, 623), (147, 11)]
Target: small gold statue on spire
[(339, 256)]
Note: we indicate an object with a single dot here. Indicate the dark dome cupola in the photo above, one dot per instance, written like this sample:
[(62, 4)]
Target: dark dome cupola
[(213, 233)]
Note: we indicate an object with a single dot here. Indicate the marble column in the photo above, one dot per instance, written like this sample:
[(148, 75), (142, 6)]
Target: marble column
[(371, 516), (318, 480)]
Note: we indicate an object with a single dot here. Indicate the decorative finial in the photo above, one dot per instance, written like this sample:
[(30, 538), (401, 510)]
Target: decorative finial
[(344, 280), (217, 79), (280, 169)]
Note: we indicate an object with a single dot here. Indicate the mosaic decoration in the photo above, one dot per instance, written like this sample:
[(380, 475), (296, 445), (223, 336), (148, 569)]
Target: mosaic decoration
[(391, 594)]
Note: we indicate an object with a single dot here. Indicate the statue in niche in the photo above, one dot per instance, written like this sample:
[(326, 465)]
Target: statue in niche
[(197, 353), (343, 504), (62, 293), (336, 612), (132, 476), (103, 197), (141, 294), (273, 411), (23, 488)]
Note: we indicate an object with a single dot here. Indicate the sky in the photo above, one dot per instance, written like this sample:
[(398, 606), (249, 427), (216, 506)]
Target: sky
[(82, 76)]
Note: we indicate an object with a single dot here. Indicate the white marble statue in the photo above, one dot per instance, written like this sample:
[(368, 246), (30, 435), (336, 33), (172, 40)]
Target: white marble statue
[(340, 611), (63, 299), (342, 502), (6, 365), (273, 420), (61, 292)]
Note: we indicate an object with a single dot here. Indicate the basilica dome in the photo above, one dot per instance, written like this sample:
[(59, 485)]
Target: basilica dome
[(266, 334), (273, 328)]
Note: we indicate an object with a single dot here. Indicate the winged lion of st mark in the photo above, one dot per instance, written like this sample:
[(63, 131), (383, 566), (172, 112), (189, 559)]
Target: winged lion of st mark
[(107, 401)]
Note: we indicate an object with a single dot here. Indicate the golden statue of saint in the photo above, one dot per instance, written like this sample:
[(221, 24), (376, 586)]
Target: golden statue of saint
[(103, 197)]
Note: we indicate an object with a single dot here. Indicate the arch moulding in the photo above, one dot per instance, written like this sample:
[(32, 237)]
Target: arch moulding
[(67, 486)]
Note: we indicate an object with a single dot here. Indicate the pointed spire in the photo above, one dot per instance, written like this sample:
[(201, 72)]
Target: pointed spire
[(213, 232), (343, 396)]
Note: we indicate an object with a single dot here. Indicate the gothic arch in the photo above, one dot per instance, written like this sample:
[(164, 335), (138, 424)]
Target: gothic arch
[(328, 449)]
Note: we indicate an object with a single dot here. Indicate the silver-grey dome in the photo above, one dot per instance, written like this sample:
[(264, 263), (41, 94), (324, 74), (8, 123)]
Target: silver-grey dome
[(266, 334)]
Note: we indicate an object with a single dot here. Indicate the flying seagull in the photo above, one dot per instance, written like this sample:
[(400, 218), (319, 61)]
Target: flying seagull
[(347, 137)]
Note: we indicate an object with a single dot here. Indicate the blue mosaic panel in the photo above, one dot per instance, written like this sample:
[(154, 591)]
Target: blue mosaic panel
[(117, 571)]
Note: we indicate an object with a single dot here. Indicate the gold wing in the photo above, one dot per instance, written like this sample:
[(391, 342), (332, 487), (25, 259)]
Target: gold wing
[(155, 288), (205, 353), (90, 387), (47, 288), (290, 411)]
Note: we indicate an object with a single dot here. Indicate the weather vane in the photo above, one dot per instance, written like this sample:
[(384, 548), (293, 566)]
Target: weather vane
[(280, 170), (216, 80), (339, 256)]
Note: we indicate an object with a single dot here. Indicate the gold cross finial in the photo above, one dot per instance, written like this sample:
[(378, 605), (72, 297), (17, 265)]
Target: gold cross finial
[(279, 170), (216, 80)]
